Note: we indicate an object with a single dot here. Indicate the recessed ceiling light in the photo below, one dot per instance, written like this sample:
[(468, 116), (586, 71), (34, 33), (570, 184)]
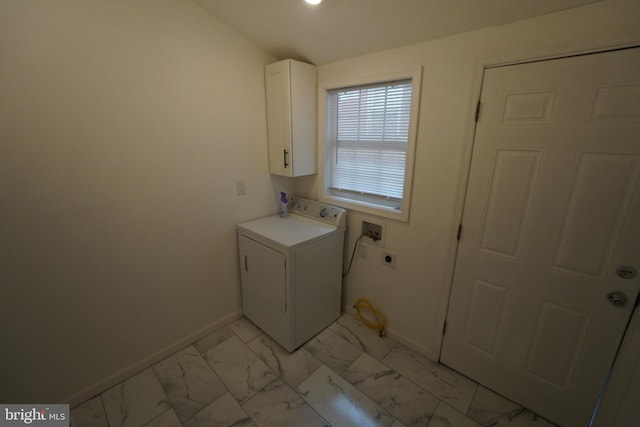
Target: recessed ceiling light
[(313, 1)]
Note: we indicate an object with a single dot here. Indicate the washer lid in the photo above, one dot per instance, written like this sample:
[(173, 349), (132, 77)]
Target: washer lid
[(288, 231)]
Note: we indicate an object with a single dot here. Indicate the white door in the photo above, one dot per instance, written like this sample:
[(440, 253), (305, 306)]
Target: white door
[(552, 210)]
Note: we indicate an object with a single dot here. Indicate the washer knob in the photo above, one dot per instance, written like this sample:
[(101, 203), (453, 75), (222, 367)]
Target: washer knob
[(324, 212)]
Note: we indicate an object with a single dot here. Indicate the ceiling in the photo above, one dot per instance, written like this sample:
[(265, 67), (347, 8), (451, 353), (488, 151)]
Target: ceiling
[(339, 29)]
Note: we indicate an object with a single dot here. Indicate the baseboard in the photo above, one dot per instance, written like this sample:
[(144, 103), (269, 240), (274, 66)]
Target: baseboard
[(392, 333), (134, 368), (407, 342)]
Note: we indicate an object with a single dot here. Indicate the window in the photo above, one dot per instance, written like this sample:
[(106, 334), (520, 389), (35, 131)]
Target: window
[(370, 138)]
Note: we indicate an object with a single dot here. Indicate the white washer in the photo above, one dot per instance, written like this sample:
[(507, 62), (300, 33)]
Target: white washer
[(291, 271)]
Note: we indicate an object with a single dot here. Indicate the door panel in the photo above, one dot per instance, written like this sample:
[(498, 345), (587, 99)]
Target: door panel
[(562, 329), (552, 208), (600, 197), (510, 191), (263, 273), (616, 104), (486, 315)]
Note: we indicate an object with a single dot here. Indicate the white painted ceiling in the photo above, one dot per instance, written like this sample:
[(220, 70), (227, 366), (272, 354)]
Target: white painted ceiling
[(339, 29)]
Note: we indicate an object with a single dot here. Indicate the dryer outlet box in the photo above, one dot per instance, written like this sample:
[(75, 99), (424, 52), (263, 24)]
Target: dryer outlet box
[(388, 259)]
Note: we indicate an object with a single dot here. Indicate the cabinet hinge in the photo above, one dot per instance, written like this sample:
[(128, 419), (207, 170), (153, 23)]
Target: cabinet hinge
[(478, 110), (459, 232), (444, 327)]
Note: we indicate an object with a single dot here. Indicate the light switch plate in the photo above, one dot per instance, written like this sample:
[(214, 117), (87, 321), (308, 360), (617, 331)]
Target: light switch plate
[(241, 188)]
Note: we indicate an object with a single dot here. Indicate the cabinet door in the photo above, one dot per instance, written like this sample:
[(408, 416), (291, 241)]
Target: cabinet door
[(263, 274), (277, 79)]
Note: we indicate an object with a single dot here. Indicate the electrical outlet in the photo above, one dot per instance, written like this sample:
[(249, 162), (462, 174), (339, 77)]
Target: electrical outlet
[(388, 259)]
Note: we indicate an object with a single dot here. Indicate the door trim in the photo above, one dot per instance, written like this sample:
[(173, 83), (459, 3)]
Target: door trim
[(481, 64)]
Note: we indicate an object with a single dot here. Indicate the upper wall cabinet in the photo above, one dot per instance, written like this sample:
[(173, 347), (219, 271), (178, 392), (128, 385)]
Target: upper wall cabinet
[(291, 117)]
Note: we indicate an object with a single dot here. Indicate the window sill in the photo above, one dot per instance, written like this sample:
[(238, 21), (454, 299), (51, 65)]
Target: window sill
[(367, 208)]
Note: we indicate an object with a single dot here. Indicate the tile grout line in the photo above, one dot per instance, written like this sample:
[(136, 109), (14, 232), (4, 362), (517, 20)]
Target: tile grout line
[(171, 407), (404, 377), (202, 354), (246, 331)]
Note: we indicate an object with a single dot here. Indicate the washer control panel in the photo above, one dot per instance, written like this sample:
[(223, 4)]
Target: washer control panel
[(319, 211)]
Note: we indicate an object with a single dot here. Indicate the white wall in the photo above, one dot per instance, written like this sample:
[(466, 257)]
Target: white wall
[(123, 128), (414, 296)]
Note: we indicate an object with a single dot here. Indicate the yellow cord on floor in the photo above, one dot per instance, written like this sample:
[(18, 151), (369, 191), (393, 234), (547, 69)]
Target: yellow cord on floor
[(380, 322)]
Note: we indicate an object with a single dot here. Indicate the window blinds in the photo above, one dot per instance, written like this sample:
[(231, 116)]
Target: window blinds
[(368, 135)]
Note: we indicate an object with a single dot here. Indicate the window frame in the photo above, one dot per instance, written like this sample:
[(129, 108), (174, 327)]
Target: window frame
[(324, 146)]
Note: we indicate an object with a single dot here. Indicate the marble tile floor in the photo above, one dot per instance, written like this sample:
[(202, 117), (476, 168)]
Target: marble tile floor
[(345, 376)]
